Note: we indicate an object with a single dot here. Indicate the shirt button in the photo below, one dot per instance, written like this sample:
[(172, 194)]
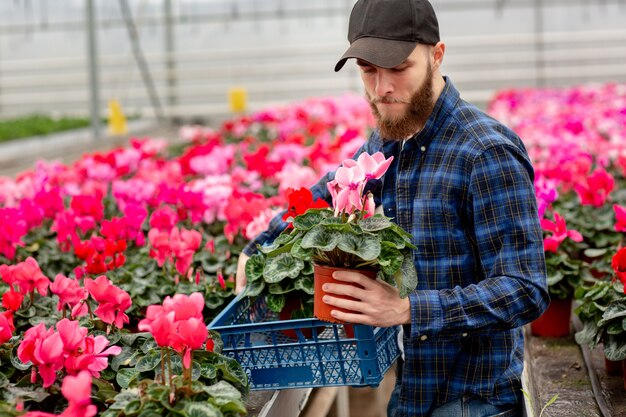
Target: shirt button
[(464, 335), (423, 337), (423, 148)]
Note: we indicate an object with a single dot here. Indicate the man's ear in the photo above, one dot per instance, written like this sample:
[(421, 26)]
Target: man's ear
[(438, 51)]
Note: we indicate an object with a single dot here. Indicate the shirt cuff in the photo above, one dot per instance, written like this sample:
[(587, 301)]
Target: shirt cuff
[(426, 314)]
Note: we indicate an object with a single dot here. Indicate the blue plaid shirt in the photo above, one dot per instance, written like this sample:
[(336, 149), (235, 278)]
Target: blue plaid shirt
[(463, 187)]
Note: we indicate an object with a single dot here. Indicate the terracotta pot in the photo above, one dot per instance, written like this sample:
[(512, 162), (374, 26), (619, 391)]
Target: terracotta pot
[(323, 274), (555, 321), (613, 368)]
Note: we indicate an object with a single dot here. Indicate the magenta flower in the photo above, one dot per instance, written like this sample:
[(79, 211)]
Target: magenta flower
[(559, 233), (113, 301), (348, 186), (6, 329), (77, 391), (596, 190), (620, 218), (191, 334)]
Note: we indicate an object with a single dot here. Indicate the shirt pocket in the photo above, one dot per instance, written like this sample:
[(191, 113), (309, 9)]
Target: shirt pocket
[(440, 230)]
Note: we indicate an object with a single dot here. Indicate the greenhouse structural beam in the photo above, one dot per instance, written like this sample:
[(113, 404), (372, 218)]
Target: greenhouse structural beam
[(94, 82)]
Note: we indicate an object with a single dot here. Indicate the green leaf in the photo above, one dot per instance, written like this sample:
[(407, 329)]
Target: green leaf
[(208, 371), (254, 267), (201, 409), (125, 376), (614, 348), (254, 288), (390, 259), (375, 223), (614, 311), (149, 362), (276, 302), (281, 267), (595, 253), (554, 278), (588, 334), (321, 238), (299, 252), (366, 247), (223, 389), (305, 284), (407, 281), (310, 219), (282, 287)]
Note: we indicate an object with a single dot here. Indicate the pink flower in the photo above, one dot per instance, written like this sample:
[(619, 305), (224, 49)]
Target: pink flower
[(163, 218), (113, 301), (374, 166), (178, 246), (559, 233), (160, 324), (192, 333), (27, 276), (185, 306), (70, 293), (12, 300), (620, 218), (6, 329), (44, 348), (77, 391), (596, 190)]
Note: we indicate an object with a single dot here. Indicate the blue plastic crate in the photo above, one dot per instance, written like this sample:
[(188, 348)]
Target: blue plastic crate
[(305, 352)]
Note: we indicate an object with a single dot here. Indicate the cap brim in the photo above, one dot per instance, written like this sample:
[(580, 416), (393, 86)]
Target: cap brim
[(384, 53)]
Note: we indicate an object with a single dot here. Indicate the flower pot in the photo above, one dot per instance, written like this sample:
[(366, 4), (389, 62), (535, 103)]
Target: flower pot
[(624, 373), (323, 274), (613, 368), (555, 321)]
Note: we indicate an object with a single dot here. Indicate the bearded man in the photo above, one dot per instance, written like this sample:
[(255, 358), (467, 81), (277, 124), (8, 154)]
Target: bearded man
[(462, 184)]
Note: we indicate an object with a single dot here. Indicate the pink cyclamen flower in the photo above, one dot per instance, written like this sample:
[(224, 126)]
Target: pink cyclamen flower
[(6, 329), (113, 301), (27, 276), (70, 293), (596, 190), (185, 306), (347, 188), (191, 334), (77, 391), (374, 166), (620, 218), (44, 348), (160, 324), (559, 233)]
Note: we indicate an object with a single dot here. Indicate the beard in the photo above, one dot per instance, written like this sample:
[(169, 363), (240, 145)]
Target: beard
[(414, 118)]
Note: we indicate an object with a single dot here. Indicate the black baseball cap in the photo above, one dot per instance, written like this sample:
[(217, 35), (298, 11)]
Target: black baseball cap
[(385, 32)]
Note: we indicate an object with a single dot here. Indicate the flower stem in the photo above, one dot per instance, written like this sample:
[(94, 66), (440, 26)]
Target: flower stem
[(163, 365)]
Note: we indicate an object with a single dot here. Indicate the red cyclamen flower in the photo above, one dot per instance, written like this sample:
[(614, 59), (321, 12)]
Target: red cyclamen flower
[(619, 266), (620, 218)]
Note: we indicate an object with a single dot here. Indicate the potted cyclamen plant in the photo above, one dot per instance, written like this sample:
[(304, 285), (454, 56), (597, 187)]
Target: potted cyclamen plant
[(563, 275), (348, 235)]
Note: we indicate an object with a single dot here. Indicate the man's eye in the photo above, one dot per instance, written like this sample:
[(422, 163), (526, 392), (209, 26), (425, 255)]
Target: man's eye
[(367, 69)]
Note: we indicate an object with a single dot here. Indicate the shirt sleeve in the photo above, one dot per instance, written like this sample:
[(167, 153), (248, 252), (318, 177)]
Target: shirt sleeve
[(508, 239), (277, 224)]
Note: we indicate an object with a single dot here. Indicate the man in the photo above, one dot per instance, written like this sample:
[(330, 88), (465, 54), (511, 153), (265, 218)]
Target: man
[(462, 184)]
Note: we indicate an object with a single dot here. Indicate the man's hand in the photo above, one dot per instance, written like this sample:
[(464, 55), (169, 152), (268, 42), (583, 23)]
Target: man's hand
[(377, 303), (240, 279)]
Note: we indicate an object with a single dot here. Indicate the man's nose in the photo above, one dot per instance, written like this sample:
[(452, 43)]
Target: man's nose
[(384, 84)]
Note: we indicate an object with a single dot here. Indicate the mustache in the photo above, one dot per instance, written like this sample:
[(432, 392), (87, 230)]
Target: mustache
[(387, 100)]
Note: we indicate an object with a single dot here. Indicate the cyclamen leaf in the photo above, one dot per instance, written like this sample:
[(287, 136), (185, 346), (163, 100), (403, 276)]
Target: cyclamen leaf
[(305, 284), (201, 409), (276, 302), (149, 362), (280, 267), (254, 267), (125, 376), (310, 219), (223, 389), (375, 223), (320, 238), (366, 247), (254, 288)]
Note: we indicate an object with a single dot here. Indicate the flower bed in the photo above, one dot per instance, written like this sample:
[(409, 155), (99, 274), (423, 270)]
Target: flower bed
[(112, 266)]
